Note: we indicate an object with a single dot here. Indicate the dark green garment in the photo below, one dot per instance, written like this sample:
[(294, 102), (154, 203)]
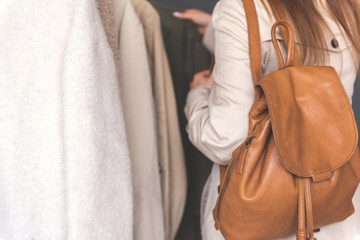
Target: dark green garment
[(356, 101), (187, 56), (205, 5)]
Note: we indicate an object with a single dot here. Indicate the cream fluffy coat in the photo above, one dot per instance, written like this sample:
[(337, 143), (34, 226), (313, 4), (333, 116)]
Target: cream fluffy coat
[(64, 162)]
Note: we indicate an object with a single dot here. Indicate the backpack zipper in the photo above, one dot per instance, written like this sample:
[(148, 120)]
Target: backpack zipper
[(247, 145)]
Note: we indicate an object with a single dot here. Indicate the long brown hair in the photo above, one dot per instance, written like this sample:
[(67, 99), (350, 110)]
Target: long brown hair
[(311, 34)]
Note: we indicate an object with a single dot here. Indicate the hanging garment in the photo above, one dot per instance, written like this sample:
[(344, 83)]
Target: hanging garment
[(139, 112), (64, 163), (187, 56), (233, 96), (171, 155)]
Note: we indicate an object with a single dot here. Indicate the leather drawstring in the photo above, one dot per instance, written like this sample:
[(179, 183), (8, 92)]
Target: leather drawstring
[(301, 233), (305, 203), (309, 210)]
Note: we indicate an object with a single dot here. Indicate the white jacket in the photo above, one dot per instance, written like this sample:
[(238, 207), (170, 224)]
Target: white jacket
[(64, 161), (218, 116)]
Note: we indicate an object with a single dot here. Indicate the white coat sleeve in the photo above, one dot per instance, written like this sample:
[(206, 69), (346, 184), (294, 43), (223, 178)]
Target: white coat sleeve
[(218, 116)]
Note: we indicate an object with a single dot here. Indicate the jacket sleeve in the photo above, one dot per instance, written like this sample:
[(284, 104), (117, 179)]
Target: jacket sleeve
[(218, 116), (209, 39)]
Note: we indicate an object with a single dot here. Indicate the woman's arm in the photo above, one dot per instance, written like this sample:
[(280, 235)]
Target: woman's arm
[(218, 116)]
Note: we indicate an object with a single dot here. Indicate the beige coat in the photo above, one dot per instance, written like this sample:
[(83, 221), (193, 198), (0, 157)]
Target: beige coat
[(140, 119), (171, 156)]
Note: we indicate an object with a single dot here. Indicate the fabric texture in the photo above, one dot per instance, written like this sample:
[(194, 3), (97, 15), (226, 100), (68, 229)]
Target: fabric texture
[(140, 121), (187, 56), (171, 155), (65, 167), (233, 95), (106, 10)]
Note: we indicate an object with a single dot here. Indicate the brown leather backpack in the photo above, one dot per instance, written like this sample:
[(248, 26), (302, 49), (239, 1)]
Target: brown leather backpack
[(300, 162)]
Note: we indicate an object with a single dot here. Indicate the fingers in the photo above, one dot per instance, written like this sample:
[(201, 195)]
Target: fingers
[(201, 30), (184, 15), (196, 16), (200, 18), (205, 73), (202, 78)]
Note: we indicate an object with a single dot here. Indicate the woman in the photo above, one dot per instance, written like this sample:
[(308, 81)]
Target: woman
[(218, 106)]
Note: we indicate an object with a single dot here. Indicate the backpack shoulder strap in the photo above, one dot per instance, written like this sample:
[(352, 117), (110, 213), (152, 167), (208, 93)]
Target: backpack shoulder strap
[(280, 17), (254, 40)]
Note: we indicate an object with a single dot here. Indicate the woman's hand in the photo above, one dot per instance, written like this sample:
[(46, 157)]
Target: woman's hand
[(200, 18), (202, 78)]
